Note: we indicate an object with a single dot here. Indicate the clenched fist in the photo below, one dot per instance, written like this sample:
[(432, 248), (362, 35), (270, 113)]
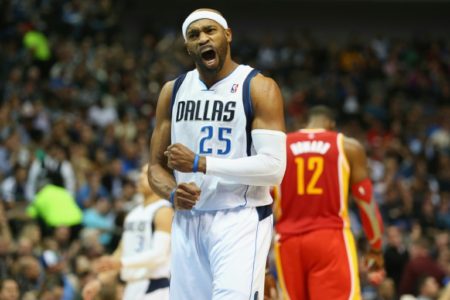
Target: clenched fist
[(374, 263), (186, 195), (374, 260), (180, 158)]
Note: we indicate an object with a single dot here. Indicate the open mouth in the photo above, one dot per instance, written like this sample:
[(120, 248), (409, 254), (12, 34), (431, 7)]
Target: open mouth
[(209, 55)]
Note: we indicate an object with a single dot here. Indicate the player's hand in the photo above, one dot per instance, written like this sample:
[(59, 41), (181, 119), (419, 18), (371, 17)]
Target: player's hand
[(106, 263), (180, 158), (374, 263), (374, 260), (91, 289), (186, 195), (376, 277), (270, 287)]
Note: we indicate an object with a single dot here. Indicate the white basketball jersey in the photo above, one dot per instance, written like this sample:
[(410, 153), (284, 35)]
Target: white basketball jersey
[(138, 237), (216, 122)]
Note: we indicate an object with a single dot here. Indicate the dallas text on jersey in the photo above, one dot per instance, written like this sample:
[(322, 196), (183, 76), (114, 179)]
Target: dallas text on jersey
[(205, 110)]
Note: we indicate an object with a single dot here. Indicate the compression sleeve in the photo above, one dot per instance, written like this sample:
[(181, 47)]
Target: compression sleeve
[(152, 258), (369, 212), (266, 168)]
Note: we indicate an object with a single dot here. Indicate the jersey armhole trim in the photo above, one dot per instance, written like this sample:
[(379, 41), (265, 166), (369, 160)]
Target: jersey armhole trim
[(248, 107), (176, 87), (340, 140)]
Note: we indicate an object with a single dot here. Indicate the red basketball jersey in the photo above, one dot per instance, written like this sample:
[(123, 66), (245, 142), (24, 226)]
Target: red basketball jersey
[(314, 191)]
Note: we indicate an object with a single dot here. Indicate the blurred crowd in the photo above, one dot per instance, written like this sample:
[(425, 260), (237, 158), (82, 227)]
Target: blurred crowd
[(77, 111)]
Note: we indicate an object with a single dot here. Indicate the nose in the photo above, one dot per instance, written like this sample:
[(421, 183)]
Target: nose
[(203, 38)]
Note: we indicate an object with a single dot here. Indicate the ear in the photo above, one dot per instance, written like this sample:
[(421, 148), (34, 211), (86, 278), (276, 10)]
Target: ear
[(333, 125), (228, 35), (187, 48)]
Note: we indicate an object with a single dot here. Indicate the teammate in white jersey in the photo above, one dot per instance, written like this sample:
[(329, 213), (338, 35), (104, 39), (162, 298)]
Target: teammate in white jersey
[(143, 255), (217, 147)]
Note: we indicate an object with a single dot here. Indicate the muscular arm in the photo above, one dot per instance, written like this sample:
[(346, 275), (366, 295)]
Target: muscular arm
[(267, 104), (268, 165), (160, 178), (362, 192)]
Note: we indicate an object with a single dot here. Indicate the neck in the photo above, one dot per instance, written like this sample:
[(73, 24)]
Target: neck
[(150, 199), (315, 125), (210, 78)]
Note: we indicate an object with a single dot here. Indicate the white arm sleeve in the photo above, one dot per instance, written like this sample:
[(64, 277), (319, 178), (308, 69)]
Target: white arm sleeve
[(266, 168), (151, 258)]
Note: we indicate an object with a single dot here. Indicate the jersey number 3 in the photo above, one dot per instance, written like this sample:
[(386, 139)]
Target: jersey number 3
[(313, 164)]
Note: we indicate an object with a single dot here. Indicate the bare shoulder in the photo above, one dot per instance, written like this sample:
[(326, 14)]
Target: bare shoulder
[(352, 145), (166, 90), (267, 104), (164, 100), (263, 85)]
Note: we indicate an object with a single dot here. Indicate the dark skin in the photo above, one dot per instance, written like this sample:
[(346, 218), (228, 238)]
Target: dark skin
[(204, 35)]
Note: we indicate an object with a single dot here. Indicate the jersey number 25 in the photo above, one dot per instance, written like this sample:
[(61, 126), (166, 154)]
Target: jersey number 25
[(220, 133)]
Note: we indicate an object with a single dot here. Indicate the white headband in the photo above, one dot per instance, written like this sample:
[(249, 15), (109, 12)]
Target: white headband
[(203, 14)]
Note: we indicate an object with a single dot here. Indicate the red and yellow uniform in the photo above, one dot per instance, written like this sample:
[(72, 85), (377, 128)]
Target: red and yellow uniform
[(316, 253)]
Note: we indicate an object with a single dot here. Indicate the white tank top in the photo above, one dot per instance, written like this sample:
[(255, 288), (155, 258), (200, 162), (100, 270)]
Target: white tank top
[(216, 122), (137, 237)]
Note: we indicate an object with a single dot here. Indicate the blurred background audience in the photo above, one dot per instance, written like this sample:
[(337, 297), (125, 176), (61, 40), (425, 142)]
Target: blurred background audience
[(77, 111)]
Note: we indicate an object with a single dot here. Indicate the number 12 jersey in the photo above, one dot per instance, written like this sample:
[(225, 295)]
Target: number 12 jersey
[(314, 191)]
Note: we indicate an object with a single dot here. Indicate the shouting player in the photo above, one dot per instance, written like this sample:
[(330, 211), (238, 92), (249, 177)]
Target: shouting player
[(220, 127)]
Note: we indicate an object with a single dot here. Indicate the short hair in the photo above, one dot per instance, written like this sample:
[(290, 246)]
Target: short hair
[(422, 242), (4, 280), (321, 111)]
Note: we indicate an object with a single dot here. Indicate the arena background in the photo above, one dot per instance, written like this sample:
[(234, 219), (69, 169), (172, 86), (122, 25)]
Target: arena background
[(79, 81)]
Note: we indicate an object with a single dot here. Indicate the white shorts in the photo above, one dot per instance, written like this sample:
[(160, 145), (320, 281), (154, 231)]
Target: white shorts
[(145, 290), (220, 255)]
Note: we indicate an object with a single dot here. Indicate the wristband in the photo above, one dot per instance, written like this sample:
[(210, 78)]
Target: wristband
[(172, 196), (195, 166)]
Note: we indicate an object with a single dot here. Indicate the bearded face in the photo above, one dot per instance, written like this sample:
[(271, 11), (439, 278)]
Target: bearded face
[(208, 44)]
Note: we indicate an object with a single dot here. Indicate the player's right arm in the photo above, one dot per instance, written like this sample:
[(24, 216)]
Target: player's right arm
[(361, 187), (160, 177)]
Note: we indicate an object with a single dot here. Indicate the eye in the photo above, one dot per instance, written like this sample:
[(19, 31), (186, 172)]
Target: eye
[(192, 35)]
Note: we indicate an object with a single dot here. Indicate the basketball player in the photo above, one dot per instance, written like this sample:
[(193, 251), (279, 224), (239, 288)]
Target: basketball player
[(143, 254), (217, 147), (315, 251)]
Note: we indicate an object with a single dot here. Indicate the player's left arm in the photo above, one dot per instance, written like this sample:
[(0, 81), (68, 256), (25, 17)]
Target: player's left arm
[(361, 187), (267, 167), (159, 253)]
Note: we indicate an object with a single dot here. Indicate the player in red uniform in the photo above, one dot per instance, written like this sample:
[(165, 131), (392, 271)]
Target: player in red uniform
[(315, 252)]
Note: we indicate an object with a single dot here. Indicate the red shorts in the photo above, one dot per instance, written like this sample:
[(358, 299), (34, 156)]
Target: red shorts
[(320, 264)]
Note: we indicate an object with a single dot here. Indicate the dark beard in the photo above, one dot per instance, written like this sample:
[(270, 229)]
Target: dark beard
[(221, 55)]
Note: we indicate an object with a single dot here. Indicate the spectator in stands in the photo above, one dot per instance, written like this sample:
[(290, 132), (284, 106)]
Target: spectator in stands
[(101, 218), (29, 274), (54, 206), (396, 255), (91, 190), (420, 264), (9, 290), (428, 288), (52, 167), (113, 179)]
